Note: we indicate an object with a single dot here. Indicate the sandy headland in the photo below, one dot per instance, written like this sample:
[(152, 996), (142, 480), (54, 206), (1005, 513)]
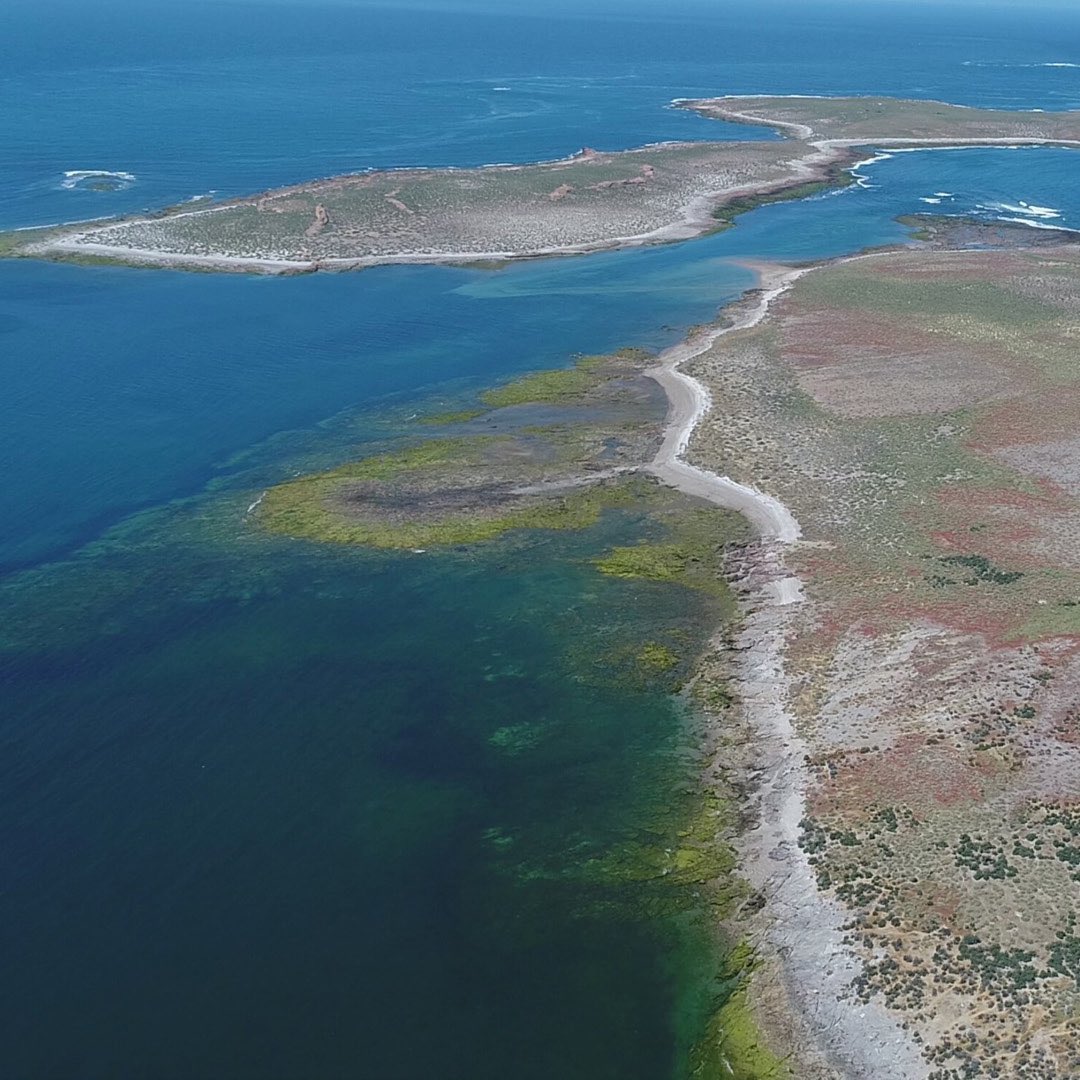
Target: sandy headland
[(588, 202)]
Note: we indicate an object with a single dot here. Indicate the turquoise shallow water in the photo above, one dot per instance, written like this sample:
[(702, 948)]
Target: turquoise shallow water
[(271, 810)]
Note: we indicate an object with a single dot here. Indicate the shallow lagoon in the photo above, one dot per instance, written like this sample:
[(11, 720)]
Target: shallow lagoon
[(144, 385)]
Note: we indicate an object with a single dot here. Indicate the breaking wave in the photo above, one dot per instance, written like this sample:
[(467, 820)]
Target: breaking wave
[(1024, 208)]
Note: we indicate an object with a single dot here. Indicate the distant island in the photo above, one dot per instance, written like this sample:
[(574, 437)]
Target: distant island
[(590, 201)]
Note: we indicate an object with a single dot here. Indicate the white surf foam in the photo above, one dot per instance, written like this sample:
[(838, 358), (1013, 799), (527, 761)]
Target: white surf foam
[(1019, 64), (1034, 224), (73, 178), (864, 181), (1041, 211), (927, 199), (1021, 207)]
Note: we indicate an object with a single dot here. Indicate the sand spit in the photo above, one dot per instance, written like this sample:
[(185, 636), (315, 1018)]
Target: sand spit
[(689, 401), (803, 936)]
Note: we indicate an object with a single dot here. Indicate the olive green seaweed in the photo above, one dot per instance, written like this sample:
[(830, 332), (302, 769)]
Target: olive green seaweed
[(459, 416), (692, 554), (655, 657), (563, 384), (733, 1045), (304, 509)]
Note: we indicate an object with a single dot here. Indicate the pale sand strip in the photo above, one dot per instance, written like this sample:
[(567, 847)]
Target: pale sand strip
[(802, 938), (690, 400)]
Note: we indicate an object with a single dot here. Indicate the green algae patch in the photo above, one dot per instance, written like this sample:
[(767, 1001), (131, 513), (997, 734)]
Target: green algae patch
[(426, 455), (459, 416), (465, 489), (655, 562), (744, 1054), (675, 859), (312, 509), (733, 1045), (714, 696), (564, 385), (657, 658), (691, 555)]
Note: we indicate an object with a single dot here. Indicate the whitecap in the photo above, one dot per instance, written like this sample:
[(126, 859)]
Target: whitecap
[(943, 194), (1034, 224), (1041, 211), (1020, 64), (1023, 207), (501, 89), (927, 199)]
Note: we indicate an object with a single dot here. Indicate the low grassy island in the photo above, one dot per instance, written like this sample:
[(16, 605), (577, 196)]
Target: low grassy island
[(590, 201), (862, 120)]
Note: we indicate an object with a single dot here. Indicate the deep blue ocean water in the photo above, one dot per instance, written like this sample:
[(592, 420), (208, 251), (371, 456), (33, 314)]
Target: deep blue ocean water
[(252, 823)]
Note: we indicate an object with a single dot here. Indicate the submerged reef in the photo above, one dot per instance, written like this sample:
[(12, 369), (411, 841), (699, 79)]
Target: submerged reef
[(512, 465), (550, 450)]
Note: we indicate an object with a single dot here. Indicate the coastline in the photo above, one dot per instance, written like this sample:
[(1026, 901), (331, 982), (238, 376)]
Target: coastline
[(823, 157), (695, 218), (689, 400), (806, 960), (799, 932), (865, 935)]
